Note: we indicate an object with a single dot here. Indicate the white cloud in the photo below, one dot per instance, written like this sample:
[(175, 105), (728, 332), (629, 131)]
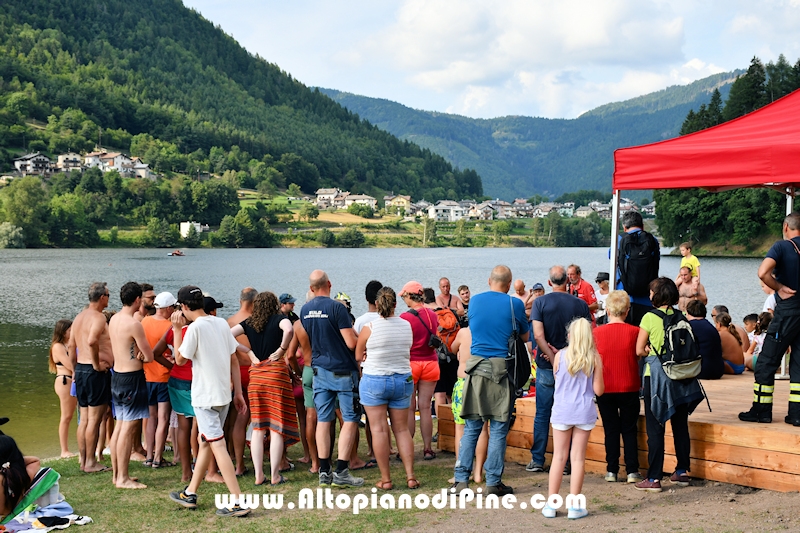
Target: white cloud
[(485, 58)]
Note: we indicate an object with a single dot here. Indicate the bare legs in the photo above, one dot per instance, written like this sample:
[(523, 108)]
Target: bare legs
[(311, 438), (561, 450), (121, 441), (88, 431), (380, 440), (68, 403), (218, 449), (156, 431), (423, 392), (238, 435), (184, 447)]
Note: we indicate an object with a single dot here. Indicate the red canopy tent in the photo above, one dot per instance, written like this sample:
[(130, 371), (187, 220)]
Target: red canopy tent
[(760, 149)]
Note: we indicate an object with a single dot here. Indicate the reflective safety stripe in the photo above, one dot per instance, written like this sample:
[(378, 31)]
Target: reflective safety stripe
[(794, 398), (794, 387), (769, 389), (763, 399)]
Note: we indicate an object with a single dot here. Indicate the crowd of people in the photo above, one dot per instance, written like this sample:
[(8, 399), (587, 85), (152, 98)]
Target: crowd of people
[(291, 377)]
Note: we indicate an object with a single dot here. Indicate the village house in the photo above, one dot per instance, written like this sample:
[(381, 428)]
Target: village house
[(362, 199), (649, 209), (69, 161), (584, 211), (399, 204), (35, 163), (482, 211), (339, 201), (325, 197), (446, 211)]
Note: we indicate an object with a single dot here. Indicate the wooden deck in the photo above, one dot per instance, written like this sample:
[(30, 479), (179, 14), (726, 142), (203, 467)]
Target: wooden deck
[(765, 456)]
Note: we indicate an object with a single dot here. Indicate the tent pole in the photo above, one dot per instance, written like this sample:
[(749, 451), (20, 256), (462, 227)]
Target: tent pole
[(614, 237), (789, 200)]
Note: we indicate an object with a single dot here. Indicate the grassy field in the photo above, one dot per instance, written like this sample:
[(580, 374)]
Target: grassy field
[(150, 509)]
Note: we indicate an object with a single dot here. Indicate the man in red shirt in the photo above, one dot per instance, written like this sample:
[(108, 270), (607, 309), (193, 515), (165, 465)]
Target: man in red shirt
[(581, 289)]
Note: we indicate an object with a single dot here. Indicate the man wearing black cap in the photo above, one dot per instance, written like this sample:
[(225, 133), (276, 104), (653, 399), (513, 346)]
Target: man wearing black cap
[(210, 346), (287, 306)]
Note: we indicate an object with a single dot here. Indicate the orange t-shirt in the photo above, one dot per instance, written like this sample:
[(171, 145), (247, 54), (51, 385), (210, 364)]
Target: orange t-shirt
[(154, 329)]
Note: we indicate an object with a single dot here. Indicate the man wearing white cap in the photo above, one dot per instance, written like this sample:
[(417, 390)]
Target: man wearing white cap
[(156, 374)]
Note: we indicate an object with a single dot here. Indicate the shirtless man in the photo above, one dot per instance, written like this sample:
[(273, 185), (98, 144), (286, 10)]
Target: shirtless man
[(128, 385), (147, 307), (90, 349), (525, 295), (689, 291), (239, 432), (447, 300)]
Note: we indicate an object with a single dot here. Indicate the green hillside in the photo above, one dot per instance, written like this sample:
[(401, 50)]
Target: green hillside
[(520, 156), (160, 79)]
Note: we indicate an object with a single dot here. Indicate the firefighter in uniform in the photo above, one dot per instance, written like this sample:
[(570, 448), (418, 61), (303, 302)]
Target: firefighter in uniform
[(780, 270)]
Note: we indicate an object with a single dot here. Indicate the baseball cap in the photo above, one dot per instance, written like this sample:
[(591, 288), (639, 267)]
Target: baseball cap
[(412, 287), (164, 299), (287, 298), (190, 294), (537, 287), (209, 304), (601, 276)]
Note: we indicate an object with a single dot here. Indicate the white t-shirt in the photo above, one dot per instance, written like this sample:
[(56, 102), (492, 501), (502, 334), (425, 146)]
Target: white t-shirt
[(388, 347), (364, 319), (769, 304), (602, 299), (208, 343)]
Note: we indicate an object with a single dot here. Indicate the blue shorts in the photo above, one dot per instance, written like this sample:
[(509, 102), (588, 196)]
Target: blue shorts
[(157, 392), (329, 386), (129, 391), (737, 369), (394, 390)]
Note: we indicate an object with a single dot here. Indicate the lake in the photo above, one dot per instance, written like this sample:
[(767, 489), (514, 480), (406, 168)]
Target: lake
[(41, 286)]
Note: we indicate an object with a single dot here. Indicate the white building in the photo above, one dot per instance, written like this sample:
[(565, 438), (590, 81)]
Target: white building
[(185, 228), (35, 163), (446, 211), (362, 199), (584, 211), (326, 197), (69, 161)]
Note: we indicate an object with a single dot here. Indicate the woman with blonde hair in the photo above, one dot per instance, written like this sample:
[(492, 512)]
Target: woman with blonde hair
[(578, 374), (61, 365), (619, 406)]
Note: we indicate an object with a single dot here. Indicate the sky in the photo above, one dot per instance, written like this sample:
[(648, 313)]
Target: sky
[(490, 58)]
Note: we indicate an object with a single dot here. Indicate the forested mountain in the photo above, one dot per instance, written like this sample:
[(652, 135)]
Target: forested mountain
[(521, 156), (740, 217), (155, 77)]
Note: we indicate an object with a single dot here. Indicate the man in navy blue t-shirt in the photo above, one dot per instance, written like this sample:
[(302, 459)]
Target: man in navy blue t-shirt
[(551, 314), (780, 271), (326, 332)]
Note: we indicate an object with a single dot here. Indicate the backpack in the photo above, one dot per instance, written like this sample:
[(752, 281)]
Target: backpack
[(680, 357), (448, 326), (434, 341), (637, 259)]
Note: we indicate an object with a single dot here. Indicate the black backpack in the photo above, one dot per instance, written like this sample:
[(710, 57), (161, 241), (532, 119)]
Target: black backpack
[(637, 259), (680, 357)]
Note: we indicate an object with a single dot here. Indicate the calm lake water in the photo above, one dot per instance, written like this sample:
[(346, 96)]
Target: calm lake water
[(41, 286)]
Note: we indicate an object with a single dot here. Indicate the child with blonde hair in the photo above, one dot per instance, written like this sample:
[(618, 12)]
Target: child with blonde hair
[(578, 373)]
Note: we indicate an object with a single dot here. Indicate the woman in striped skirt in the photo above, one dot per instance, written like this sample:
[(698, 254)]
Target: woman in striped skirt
[(272, 404)]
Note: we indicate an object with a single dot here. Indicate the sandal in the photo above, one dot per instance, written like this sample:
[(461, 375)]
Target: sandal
[(412, 483), (428, 455), (163, 463), (148, 462), (384, 485), (281, 482), (291, 468)]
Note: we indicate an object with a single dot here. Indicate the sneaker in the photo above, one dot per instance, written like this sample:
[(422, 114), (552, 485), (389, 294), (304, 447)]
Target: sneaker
[(325, 479), (635, 477), (500, 489), (435, 438), (567, 469), (649, 485), (459, 486), (682, 480), (181, 498), (533, 466), (574, 514), (233, 511), (345, 479), (611, 477), (548, 512)]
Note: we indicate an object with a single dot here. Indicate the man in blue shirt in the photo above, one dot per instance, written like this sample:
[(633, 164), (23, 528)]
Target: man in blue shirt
[(326, 332), (551, 315), (491, 325), (780, 271)]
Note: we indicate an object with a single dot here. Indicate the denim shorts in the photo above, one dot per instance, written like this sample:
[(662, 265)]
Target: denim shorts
[(393, 390), (329, 386)]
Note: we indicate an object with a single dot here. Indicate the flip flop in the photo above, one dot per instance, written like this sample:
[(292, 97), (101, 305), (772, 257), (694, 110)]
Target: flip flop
[(372, 463), (281, 482), (291, 467), (263, 482), (104, 469), (163, 464), (246, 471)]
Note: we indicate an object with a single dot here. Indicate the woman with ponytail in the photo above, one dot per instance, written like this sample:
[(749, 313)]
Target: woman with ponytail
[(731, 344)]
